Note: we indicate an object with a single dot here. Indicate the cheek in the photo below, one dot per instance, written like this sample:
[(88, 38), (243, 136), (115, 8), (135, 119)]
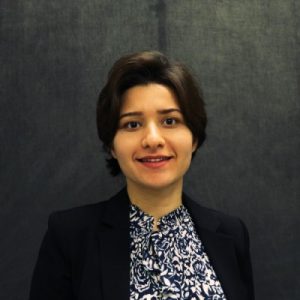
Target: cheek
[(184, 142), (122, 147)]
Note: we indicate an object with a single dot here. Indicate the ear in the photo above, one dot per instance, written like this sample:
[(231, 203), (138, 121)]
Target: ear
[(113, 154), (195, 144)]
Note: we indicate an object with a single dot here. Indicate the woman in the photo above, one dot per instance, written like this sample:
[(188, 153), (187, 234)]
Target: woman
[(150, 241)]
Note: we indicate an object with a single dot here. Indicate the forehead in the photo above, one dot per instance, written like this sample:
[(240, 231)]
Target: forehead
[(147, 97)]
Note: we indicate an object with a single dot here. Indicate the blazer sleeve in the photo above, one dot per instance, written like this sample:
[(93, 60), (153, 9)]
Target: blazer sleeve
[(52, 274)]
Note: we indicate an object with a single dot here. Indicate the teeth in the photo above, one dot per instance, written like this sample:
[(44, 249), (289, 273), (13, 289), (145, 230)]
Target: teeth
[(154, 159)]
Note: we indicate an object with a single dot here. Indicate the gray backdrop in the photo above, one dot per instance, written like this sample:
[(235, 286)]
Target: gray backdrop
[(55, 56)]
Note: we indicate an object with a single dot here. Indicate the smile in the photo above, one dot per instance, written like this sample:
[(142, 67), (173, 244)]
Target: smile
[(154, 159), (154, 162)]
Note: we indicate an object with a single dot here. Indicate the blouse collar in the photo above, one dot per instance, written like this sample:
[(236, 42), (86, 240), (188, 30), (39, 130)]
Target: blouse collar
[(141, 223)]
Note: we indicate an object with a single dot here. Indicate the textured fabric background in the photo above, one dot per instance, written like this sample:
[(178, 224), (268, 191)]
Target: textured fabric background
[(54, 59)]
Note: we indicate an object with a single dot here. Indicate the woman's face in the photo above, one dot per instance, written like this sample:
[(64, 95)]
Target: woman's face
[(153, 145)]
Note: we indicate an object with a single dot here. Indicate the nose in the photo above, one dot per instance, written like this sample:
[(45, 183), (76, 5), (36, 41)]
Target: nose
[(153, 138)]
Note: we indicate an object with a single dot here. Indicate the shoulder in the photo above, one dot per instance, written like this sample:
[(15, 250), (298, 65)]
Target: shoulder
[(209, 219), (227, 223), (86, 216), (80, 216), (233, 227)]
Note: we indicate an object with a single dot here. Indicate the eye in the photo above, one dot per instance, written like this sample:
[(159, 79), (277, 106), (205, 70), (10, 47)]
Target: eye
[(170, 121), (132, 125)]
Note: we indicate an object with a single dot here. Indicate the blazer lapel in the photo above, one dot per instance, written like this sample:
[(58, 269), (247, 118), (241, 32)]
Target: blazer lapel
[(115, 248), (219, 248), (114, 244)]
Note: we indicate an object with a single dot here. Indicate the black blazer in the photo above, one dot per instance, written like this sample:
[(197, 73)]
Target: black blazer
[(85, 252)]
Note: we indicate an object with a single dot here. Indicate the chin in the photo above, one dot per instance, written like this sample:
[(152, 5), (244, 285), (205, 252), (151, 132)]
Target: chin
[(159, 184)]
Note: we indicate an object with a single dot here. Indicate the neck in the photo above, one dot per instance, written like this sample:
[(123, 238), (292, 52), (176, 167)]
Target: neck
[(156, 202)]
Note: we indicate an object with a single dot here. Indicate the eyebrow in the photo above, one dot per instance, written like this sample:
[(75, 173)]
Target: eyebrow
[(160, 111)]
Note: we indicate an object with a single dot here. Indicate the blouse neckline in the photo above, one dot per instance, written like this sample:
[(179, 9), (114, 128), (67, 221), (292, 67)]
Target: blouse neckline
[(141, 223)]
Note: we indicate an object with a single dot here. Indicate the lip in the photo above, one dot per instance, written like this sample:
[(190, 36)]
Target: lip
[(154, 162)]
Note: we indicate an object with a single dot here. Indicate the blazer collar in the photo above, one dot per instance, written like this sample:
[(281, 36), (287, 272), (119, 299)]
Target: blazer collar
[(117, 212), (200, 216), (219, 247), (114, 244)]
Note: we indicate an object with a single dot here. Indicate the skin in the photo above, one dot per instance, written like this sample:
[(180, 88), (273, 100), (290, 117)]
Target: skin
[(151, 125)]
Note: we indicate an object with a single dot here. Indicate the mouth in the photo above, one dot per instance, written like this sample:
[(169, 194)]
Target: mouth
[(154, 161)]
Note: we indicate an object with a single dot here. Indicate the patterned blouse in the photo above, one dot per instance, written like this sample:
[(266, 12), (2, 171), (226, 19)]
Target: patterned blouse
[(170, 263)]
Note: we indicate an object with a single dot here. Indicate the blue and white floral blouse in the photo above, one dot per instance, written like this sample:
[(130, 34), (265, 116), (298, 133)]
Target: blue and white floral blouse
[(170, 263)]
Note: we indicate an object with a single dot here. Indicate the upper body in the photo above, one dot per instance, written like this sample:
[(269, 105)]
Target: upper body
[(151, 120), (85, 253)]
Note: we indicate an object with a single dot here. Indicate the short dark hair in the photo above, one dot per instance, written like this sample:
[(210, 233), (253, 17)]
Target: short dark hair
[(143, 68)]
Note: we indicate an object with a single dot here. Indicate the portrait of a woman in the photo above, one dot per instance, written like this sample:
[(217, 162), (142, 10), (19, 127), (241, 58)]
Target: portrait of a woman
[(150, 240)]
